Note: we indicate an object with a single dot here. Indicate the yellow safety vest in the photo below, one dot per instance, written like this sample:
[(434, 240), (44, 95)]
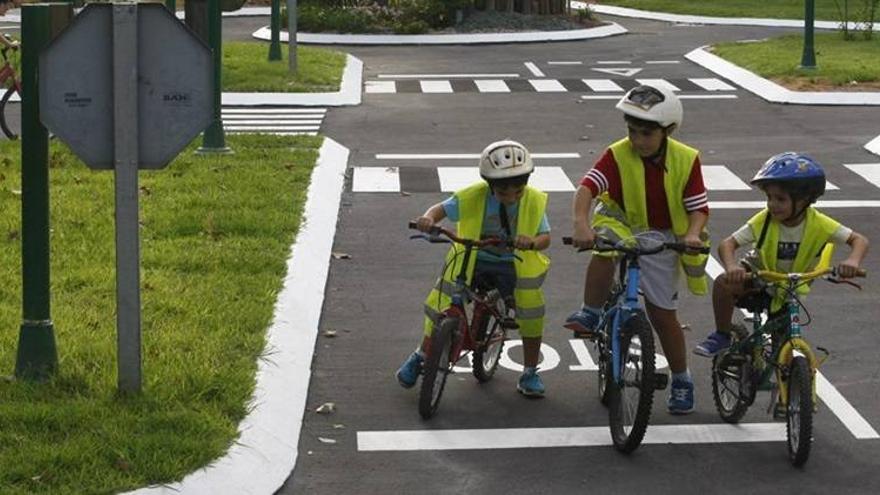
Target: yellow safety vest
[(814, 250), (531, 267), (612, 221)]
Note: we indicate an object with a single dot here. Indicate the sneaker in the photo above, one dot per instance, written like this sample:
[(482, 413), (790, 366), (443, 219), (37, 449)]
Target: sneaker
[(582, 323), (530, 384), (410, 370), (681, 397), (714, 343)]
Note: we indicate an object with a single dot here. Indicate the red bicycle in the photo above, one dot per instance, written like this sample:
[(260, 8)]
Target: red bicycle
[(10, 80), (455, 335)]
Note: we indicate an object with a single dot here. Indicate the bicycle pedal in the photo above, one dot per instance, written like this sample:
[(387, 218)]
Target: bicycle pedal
[(509, 323), (660, 381)]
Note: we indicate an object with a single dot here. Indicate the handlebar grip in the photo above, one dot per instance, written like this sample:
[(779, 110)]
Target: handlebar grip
[(413, 225), (568, 241), (862, 273)]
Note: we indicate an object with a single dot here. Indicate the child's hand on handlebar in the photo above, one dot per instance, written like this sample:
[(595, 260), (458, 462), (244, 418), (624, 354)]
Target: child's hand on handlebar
[(847, 269), (736, 274), (425, 224), (524, 242), (693, 242), (584, 237)]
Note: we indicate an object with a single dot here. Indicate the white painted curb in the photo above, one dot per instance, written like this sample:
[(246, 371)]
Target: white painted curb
[(445, 39), (696, 19), (773, 92), (349, 92), (265, 453), (874, 145)]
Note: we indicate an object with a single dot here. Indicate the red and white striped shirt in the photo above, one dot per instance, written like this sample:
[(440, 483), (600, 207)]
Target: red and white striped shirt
[(604, 177)]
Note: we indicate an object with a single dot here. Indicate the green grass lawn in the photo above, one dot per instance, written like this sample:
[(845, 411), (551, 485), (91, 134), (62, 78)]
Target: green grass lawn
[(774, 9), (839, 62), (215, 235), (246, 67)]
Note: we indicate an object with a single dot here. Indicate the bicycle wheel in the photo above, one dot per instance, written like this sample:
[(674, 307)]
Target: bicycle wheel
[(630, 398), (799, 413), (603, 373), (732, 387), (3, 101), (490, 338), (437, 367)]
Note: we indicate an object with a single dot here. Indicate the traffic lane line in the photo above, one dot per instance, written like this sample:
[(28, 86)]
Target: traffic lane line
[(588, 436)]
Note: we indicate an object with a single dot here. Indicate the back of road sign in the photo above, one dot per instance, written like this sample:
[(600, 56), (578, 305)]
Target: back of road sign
[(175, 86)]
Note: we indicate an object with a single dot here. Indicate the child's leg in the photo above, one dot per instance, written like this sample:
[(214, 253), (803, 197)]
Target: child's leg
[(531, 351), (724, 296), (665, 321), (598, 280)]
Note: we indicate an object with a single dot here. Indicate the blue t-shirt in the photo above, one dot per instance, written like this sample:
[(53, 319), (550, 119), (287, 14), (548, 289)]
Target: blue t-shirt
[(492, 226)]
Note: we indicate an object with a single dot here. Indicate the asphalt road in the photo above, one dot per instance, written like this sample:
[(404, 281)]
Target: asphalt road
[(373, 299)]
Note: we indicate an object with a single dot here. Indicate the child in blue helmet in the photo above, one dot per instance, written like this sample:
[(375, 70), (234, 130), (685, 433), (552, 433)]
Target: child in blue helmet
[(788, 236)]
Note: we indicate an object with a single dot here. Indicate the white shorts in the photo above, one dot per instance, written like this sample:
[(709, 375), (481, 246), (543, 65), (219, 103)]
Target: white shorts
[(660, 274)]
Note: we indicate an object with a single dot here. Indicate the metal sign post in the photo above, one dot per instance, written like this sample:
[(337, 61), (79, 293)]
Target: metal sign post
[(808, 58), (127, 86)]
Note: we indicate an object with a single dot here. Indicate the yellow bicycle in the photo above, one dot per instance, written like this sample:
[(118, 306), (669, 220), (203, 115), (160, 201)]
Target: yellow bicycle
[(775, 357)]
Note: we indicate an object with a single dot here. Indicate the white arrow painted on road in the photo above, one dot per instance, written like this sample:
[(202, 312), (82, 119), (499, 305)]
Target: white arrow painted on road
[(874, 145), (621, 71)]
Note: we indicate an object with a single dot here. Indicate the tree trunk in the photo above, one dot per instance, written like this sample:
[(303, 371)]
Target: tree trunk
[(527, 7)]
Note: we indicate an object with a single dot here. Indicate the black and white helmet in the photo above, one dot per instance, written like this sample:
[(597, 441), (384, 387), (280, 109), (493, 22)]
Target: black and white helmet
[(504, 160)]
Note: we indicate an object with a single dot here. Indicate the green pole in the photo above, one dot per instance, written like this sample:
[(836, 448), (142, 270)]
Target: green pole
[(808, 59), (213, 139), (275, 27), (171, 5), (37, 357)]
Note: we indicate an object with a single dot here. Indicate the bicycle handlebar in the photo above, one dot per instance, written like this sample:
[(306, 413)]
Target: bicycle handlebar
[(771, 276), (437, 230), (605, 245)]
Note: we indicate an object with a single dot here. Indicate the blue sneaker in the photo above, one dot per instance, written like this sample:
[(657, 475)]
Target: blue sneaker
[(681, 397), (714, 343), (530, 384), (410, 370), (582, 323)]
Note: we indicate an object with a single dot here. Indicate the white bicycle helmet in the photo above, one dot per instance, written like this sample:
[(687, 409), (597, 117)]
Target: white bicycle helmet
[(654, 104), (505, 159)]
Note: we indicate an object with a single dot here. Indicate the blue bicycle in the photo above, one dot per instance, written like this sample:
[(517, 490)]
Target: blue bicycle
[(625, 343)]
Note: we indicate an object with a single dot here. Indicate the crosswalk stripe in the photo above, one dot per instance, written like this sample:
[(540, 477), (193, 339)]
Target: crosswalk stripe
[(712, 84), (602, 85), (659, 83), (261, 128), (441, 86), (547, 86), (380, 87), (250, 121), (720, 178), (869, 171), (375, 179), (265, 111), (491, 86)]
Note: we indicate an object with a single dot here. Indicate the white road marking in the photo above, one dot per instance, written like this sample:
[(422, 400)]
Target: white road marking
[(380, 87), (712, 84), (461, 156), (720, 178), (736, 205), (659, 83), (448, 76), (268, 121), (869, 171), (375, 179), (454, 178), (435, 86), (683, 97), (491, 86), (264, 128), (548, 179), (547, 86), (602, 85), (653, 62), (565, 62), (614, 62), (534, 69), (582, 354), (593, 436), (620, 71), (263, 111)]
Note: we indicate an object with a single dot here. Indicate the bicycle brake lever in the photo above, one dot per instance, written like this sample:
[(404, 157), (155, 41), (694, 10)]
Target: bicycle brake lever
[(430, 238), (835, 280)]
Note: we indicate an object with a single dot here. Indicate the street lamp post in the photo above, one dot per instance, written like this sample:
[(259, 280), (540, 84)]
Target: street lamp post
[(808, 59)]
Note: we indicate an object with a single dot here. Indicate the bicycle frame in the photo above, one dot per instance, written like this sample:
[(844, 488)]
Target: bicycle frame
[(626, 303)]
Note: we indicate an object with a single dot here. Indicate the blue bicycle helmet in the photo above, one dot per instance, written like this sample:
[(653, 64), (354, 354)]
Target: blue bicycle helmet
[(800, 175)]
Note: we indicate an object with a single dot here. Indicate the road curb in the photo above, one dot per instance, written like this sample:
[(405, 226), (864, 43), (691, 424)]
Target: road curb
[(265, 453), (605, 31), (349, 92), (773, 92)]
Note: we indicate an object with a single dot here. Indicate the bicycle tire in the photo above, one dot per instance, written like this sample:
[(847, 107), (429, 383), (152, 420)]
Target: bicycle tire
[(732, 387), (629, 413), (488, 354), (437, 367), (3, 125), (603, 371), (799, 411)]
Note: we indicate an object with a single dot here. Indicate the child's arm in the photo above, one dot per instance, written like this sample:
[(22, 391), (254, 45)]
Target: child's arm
[(432, 216), (584, 236), (539, 243), (696, 223), (850, 266), (734, 273)]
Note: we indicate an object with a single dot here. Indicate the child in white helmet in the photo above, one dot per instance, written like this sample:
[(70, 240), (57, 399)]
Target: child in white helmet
[(646, 181), (501, 205)]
